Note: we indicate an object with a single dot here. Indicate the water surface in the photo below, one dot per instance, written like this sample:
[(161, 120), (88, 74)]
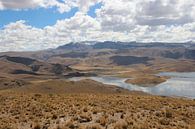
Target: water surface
[(180, 84)]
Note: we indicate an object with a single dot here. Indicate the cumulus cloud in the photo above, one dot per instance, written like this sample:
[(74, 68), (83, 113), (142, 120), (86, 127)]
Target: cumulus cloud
[(18, 4), (117, 15), (21, 35), (164, 12), (121, 20), (84, 5), (63, 6), (25, 37)]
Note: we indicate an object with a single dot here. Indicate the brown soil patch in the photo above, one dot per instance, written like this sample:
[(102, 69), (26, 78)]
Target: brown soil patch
[(147, 80)]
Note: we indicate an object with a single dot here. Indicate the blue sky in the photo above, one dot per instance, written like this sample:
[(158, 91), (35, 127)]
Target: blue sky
[(41, 17), (92, 9), (31, 25), (37, 18)]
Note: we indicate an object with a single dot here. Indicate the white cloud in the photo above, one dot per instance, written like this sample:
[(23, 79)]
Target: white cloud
[(1, 6), (62, 7), (20, 4), (26, 37), (19, 36), (117, 15), (84, 5), (121, 20), (164, 12)]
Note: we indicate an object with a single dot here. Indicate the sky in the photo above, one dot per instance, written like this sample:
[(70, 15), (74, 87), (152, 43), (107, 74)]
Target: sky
[(28, 25)]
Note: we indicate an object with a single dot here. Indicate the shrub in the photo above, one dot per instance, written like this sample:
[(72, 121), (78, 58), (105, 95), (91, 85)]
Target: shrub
[(168, 114), (54, 117), (85, 118), (121, 125), (102, 120), (37, 126), (94, 126)]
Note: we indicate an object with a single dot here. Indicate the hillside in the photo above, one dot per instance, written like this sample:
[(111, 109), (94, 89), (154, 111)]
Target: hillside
[(94, 111)]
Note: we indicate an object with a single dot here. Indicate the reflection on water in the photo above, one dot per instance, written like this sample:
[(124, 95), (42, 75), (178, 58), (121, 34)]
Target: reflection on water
[(180, 84), (178, 75)]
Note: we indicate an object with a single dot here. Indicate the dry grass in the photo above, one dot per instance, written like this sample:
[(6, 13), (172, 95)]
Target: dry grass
[(93, 111)]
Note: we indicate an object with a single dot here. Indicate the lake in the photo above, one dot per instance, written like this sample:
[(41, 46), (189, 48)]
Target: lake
[(179, 85)]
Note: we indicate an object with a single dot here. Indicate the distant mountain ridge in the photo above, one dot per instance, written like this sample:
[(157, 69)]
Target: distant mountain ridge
[(75, 46), (122, 45), (152, 49), (93, 48)]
